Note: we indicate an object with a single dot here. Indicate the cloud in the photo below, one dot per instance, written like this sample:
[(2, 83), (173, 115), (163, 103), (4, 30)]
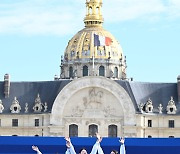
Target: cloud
[(54, 17), (37, 17), (174, 8), (122, 10)]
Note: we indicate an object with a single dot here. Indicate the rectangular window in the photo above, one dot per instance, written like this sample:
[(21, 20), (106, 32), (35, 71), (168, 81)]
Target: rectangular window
[(171, 123), (36, 122), (149, 123), (15, 122)]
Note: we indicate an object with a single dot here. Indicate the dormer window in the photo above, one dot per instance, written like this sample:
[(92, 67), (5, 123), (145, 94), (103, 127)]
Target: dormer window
[(38, 104), (15, 107), (149, 106), (171, 107)]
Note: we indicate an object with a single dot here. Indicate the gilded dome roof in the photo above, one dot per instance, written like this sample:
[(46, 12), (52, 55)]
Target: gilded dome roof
[(93, 50), (83, 45), (93, 41)]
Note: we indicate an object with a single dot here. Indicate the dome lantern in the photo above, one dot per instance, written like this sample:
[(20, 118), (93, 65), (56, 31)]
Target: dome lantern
[(93, 13)]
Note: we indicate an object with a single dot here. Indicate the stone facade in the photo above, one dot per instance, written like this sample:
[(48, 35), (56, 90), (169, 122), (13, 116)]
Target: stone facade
[(92, 94)]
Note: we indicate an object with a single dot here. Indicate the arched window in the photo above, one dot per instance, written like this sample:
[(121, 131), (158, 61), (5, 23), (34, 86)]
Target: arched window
[(101, 71), (73, 130), (149, 136), (93, 129), (97, 10), (116, 72), (70, 72), (85, 71), (112, 131), (90, 10)]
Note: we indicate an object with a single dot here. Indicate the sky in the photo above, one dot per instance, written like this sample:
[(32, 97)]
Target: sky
[(34, 35)]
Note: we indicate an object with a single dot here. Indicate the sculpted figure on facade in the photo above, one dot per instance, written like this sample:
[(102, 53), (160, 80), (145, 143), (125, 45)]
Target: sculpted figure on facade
[(75, 74), (77, 112), (1, 107), (160, 108), (85, 102), (15, 107), (171, 107), (26, 108), (45, 107), (141, 106), (95, 99), (111, 74)]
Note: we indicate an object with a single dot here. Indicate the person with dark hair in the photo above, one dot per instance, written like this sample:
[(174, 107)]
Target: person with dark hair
[(114, 152), (96, 148)]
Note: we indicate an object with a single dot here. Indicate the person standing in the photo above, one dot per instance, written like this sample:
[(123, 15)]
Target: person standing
[(96, 147)]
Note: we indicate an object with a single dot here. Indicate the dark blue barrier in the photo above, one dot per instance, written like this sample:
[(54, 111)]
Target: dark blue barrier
[(56, 145)]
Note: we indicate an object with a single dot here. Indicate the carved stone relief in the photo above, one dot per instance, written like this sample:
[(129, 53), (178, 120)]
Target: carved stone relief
[(93, 104), (91, 121), (93, 95), (77, 111), (109, 111), (93, 101)]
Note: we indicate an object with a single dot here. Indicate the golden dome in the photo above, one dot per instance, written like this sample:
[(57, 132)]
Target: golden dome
[(83, 46), (93, 50)]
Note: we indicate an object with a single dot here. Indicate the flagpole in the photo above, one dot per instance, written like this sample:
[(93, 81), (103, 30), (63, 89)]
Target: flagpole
[(93, 55)]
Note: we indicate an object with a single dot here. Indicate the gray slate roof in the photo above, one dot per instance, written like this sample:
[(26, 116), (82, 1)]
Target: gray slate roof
[(26, 92), (139, 92)]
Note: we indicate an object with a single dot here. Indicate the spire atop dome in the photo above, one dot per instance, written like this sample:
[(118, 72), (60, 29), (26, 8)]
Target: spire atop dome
[(93, 16)]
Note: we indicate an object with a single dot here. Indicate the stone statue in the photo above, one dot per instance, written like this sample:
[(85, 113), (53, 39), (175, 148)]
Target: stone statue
[(141, 105), (26, 108), (1, 107), (160, 107), (45, 107)]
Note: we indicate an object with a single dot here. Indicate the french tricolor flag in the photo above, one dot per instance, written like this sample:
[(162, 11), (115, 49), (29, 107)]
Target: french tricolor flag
[(102, 40)]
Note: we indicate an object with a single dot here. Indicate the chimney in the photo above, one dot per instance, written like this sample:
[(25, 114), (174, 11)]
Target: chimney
[(178, 88), (6, 85)]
